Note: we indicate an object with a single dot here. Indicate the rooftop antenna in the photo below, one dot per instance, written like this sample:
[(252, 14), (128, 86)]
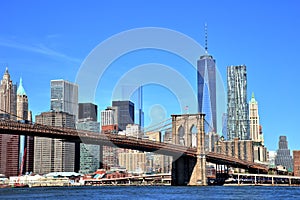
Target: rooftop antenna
[(205, 29)]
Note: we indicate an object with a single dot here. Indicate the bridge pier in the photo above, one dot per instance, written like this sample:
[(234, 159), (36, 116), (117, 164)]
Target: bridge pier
[(198, 177), (101, 156), (189, 170), (182, 170), (77, 157)]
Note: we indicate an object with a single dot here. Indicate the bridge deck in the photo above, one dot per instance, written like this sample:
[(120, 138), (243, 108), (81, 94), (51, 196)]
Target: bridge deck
[(88, 137)]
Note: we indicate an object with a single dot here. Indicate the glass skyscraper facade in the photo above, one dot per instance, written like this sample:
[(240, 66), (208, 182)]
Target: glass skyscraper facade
[(237, 105), (89, 153), (207, 102), (126, 113), (64, 97)]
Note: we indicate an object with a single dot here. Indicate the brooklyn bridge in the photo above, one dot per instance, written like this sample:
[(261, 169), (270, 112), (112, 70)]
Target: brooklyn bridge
[(189, 161)]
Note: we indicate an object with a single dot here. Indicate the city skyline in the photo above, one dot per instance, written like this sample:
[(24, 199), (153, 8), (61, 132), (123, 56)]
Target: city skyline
[(262, 39)]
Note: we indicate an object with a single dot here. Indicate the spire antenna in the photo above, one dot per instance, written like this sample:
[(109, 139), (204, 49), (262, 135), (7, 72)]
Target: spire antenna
[(205, 29)]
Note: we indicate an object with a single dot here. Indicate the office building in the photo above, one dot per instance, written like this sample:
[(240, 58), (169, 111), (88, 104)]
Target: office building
[(133, 130), (26, 142), (255, 129), (134, 162), (206, 83), (283, 156), (109, 117), (9, 144), (64, 97), (54, 155), (87, 110), (125, 113), (109, 124), (89, 153), (237, 106), (271, 158), (296, 157)]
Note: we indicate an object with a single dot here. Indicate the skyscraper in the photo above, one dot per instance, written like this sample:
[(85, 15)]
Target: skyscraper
[(54, 155), (283, 156), (9, 144), (109, 124), (255, 134), (64, 113), (89, 154), (26, 142), (125, 112), (64, 97), (87, 110), (8, 97), (109, 117), (206, 78), (237, 106)]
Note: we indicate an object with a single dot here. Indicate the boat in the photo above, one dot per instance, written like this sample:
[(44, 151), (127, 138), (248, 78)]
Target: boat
[(20, 185)]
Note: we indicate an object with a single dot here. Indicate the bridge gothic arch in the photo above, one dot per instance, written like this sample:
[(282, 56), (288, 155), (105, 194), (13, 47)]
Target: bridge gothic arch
[(181, 136), (187, 129), (190, 129), (193, 132)]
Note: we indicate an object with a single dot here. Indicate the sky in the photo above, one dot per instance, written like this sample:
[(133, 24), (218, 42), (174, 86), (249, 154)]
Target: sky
[(45, 40)]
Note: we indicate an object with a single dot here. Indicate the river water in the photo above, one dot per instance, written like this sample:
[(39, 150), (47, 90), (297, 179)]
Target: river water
[(152, 192)]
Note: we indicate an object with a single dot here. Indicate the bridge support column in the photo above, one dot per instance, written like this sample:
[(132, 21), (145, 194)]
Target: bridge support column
[(77, 157), (101, 156), (199, 173), (182, 169), (189, 170)]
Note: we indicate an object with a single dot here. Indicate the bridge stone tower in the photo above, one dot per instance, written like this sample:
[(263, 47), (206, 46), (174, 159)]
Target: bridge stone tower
[(188, 130)]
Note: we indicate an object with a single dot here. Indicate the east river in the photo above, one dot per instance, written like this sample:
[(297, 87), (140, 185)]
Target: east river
[(152, 192)]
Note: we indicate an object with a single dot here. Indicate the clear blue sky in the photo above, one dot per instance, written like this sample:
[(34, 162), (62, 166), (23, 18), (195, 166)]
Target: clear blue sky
[(44, 40)]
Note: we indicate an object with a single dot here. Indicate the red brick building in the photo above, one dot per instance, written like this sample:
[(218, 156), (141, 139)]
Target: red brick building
[(296, 156), (9, 155)]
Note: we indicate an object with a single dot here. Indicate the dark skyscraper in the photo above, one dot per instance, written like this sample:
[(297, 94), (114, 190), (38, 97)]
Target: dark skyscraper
[(126, 113), (87, 110), (206, 78)]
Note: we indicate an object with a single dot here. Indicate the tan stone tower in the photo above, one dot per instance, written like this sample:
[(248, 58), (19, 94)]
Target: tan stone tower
[(7, 97), (254, 121), (9, 144), (22, 103)]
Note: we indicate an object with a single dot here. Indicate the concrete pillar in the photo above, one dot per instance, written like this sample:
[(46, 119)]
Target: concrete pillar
[(174, 130), (77, 157), (101, 157), (182, 170), (199, 172), (236, 148)]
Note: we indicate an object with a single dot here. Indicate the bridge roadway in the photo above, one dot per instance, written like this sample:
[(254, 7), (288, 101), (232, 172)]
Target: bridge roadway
[(88, 137)]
